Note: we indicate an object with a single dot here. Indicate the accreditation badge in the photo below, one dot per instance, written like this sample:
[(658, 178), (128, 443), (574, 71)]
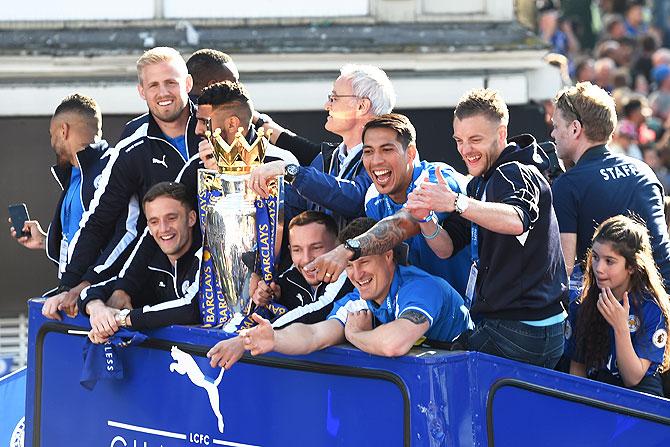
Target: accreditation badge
[(62, 256), (470, 289)]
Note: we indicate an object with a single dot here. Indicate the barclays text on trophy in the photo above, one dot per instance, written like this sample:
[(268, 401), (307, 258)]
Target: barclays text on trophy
[(241, 231)]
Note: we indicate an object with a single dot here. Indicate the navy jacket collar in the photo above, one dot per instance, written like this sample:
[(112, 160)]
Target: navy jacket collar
[(593, 153), (87, 156)]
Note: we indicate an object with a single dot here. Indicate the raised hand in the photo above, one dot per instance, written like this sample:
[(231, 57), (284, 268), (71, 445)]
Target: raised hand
[(35, 238), (614, 312), (206, 153), (438, 196), (264, 293)]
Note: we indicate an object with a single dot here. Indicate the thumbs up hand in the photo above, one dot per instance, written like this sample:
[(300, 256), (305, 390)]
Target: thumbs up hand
[(438, 197)]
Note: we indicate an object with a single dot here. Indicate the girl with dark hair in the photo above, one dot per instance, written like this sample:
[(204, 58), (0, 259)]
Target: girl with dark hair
[(620, 336)]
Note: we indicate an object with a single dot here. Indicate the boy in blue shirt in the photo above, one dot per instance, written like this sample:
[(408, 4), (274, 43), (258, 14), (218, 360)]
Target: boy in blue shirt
[(392, 307)]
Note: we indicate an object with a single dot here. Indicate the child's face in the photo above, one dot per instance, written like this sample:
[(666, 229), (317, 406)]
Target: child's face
[(609, 268)]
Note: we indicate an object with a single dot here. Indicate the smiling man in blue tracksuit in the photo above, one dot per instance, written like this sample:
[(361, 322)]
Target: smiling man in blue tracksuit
[(389, 157), (158, 148)]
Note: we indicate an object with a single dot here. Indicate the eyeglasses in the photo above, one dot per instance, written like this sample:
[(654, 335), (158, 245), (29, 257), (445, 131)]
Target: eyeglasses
[(332, 97), (571, 106)]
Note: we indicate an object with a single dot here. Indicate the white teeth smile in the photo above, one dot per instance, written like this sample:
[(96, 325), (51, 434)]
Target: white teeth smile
[(473, 158), (167, 238), (164, 103), (382, 175), (363, 283)]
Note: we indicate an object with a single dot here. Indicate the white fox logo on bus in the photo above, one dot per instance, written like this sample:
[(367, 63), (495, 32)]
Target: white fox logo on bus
[(184, 364)]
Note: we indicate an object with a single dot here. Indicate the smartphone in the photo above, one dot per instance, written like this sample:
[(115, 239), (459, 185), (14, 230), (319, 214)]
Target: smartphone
[(19, 215)]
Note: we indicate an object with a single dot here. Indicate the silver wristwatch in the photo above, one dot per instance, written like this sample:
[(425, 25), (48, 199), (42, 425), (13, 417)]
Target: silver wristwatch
[(461, 203), (121, 317)]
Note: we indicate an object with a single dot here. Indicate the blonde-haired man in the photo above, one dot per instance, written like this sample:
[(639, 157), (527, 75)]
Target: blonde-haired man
[(154, 148), (601, 184)]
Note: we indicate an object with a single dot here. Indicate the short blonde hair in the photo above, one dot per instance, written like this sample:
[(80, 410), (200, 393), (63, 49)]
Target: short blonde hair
[(592, 106), (156, 56)]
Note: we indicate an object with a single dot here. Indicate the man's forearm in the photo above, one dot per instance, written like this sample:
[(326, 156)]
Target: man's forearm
[(300, 339), (496, 217), (389, 340), (367, 341), (387, 233), (437, 239)]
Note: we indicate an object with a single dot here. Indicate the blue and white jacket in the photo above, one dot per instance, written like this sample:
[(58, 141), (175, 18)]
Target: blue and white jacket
[(138, 162), (92, 161), (167, 294)]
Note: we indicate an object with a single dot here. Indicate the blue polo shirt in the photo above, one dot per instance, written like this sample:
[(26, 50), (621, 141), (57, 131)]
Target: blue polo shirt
[(414, 289), (455, 269), (180, 143), (72, 208), (602, 185), (648, 332)]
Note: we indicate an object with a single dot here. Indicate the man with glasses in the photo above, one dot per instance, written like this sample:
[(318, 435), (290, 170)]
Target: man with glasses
[(517, 280), (335, 181), (601, 184)]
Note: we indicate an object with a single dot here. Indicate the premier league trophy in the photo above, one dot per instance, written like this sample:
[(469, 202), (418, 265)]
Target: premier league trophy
[(242, 232)]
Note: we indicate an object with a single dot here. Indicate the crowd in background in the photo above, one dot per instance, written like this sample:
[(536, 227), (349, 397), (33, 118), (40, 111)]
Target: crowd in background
[(613, 44)]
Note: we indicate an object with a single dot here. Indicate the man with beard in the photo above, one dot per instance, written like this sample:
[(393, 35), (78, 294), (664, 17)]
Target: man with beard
[(227, 106), (518, 281), (158, 148), (76, 130)]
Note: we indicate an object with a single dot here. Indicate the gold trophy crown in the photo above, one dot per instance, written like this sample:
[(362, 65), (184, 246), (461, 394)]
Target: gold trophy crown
[(239, 156)]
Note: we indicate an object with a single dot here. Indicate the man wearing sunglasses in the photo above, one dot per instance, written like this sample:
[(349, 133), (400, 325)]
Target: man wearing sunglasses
[(331, 178), (601, 184)]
